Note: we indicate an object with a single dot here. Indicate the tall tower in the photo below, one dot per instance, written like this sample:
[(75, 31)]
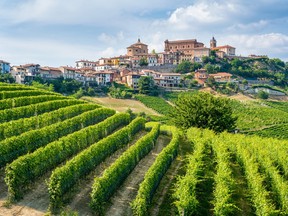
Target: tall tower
[(213, 43)]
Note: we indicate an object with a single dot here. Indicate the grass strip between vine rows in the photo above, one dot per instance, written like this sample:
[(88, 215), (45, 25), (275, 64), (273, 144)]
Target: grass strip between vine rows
[(104, 186), (186, 186), (155, 173)]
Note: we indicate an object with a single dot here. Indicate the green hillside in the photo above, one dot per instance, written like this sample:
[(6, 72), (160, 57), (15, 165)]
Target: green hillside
[(62, 155)]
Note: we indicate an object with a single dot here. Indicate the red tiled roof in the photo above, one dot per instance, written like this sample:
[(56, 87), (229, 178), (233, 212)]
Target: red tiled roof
[(29, 65), (220, 47), (183, 41), (68, 68)]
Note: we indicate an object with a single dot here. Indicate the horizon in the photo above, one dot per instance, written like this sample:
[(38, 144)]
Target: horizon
[(53, 33)]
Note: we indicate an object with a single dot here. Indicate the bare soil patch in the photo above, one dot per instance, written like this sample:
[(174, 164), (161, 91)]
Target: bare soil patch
[(34, 203), (121, 105)]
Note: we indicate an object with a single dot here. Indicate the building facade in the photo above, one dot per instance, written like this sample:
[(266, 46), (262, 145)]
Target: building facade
[(4, 67), (138, 49)]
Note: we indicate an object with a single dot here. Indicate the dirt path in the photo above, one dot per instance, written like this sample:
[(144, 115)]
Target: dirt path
[(120, 202), (80, 201), (163, 195), (34, 203)]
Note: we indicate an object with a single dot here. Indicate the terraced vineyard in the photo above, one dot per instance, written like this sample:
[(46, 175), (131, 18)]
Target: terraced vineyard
[(50, 144), (60, 154), (233, 175), (156, 103)]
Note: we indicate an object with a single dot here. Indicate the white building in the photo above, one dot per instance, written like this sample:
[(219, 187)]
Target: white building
[(86, 64)]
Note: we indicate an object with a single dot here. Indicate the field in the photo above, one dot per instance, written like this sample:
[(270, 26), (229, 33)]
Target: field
[(122, 105), (55, 150), (59, 154), (156, 103), (233, 175)]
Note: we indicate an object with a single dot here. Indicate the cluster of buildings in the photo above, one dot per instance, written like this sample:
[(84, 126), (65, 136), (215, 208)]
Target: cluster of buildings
[(125, 68)]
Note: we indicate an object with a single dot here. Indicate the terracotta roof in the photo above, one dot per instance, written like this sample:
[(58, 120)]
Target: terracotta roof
[(86, 61), (50, 69), (220, 47), (182, 41), (104, 72), (68, 68), (29, 65)]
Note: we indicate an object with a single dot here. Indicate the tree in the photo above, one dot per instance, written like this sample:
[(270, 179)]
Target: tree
[(195, 66), (146, 85), (203, 110), (7, 78), (45, 86), (262, 95), (143, 62), (91, 92), (183, 67), (79, 93), (211, 82)]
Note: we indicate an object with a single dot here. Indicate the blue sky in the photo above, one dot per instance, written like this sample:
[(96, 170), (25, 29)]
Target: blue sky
[(59, 32)]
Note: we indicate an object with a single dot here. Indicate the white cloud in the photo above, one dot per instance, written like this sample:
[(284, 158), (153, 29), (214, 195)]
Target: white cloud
[(250, 26), (271, 44), (202, 13), (44, 51), (89, 12), (111, 39), (110, 52)]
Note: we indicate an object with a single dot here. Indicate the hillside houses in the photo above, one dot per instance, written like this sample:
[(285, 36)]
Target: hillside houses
[(4, 67), (126, 68)]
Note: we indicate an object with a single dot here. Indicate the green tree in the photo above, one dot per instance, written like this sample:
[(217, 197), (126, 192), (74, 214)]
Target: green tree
[(211, 82), (143, 62), (6, 78), (262, 95), (79, 93), (183, 67), (195, 66), (45, 86), (91, 92), (203, 110), (244, 82), (146, 85)]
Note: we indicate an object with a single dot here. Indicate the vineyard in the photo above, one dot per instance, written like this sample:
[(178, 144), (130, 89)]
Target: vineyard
[(49, 144), (59, 154), (233, 175), (156, 103)]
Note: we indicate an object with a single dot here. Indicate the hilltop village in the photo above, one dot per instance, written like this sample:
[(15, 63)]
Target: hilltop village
[(162, 67)]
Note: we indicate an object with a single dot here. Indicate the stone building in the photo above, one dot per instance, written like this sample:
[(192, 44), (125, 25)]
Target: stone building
[(137, 50), (186, 50), (222, 51)]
